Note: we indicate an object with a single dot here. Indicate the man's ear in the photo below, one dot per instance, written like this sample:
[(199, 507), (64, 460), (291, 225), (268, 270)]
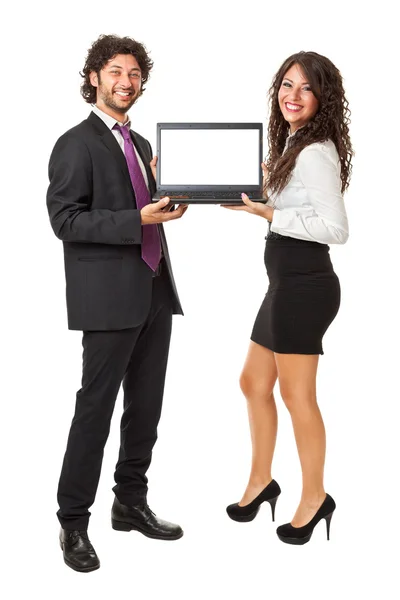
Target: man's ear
[(94, 80)]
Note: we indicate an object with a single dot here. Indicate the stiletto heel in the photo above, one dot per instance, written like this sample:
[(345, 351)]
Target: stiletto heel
[(272, 502), (243, 514), (301, 535), (328, 524)]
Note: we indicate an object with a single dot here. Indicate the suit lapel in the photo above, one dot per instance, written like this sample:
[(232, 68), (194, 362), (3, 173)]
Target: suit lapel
[(144, 155), (108, 139), (111, 143)]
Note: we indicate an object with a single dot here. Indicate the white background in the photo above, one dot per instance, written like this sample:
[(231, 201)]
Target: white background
[(210, 157), (213, 61)]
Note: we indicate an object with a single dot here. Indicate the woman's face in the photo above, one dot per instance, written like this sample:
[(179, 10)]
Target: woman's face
[(296, 100)]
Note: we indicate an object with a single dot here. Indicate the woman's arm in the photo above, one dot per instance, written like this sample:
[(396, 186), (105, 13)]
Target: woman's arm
[(325, 221)]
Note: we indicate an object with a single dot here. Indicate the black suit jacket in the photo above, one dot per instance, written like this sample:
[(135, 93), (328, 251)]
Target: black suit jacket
[(92, 209)]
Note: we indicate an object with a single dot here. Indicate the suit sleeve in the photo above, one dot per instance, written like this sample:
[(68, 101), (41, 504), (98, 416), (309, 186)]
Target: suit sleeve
[(69, 198)]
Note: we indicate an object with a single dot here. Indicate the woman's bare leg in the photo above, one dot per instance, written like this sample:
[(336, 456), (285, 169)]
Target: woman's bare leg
[(297, 380), (257, 383)]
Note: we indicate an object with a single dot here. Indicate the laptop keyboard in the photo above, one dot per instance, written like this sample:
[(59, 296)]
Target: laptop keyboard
[(223, 195)]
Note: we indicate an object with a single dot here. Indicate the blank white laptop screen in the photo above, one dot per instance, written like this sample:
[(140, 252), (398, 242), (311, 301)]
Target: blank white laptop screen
[(209, 157)]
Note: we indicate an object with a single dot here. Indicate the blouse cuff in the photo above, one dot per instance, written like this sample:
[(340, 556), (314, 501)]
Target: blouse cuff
[(279, 220)]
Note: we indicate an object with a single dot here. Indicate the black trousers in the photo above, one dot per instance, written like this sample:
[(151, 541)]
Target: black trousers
[(138, 358)]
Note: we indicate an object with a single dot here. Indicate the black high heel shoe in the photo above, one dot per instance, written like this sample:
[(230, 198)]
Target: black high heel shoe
[(301, 535), (249, 512)]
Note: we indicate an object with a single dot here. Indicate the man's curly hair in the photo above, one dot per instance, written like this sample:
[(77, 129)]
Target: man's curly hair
[(330, 122), (103, 50)]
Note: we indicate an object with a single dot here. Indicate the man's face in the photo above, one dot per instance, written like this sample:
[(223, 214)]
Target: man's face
[(119, 84)]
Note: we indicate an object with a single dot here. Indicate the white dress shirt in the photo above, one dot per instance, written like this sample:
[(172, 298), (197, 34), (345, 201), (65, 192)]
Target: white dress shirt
[(110, 122), (311, 206)]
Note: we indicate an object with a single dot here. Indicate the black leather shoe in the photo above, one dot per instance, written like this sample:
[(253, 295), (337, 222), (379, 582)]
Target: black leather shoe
[(79, 553), (301, 535), (141, 518), (249, 511)]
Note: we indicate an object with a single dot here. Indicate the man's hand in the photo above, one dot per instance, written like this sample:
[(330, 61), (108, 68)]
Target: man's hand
[(254, 208), (160, 212), (153, 165)]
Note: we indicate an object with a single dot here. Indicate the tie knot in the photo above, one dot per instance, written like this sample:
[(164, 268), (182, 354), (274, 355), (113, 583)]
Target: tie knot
[(124, 131)]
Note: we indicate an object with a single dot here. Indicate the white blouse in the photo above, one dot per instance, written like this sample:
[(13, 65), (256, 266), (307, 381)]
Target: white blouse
[(311, 206)]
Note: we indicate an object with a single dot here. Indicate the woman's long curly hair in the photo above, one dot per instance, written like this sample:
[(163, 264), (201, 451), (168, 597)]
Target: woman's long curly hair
[(330, 122), (103, 50)]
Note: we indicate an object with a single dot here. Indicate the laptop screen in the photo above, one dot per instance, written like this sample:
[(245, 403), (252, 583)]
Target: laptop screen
[(209, 157)]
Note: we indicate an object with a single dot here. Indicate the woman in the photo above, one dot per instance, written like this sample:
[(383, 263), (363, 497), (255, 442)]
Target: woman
[(307, 171)]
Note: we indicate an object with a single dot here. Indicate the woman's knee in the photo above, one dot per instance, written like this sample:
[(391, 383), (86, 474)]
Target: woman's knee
[(253, 385), (296, 397)]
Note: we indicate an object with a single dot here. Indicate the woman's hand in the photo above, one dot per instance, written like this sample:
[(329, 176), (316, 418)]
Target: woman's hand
[(265, 175), (254, 208)]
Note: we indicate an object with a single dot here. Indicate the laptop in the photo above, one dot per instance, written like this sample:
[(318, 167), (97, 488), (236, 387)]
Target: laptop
[(209, 163)]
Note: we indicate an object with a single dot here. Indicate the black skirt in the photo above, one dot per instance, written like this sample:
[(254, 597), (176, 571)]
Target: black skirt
[(303, 296)]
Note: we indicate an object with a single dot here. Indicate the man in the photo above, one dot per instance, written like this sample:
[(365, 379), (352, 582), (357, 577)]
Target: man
[(120, 292)]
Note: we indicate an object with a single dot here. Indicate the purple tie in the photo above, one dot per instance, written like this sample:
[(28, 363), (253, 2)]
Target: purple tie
[(151, 248)]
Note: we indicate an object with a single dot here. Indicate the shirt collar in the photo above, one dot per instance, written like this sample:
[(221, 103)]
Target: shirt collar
[(290, 135), (109, 121)]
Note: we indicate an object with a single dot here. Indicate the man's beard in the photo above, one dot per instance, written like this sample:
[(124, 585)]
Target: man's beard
[(111, 101)]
